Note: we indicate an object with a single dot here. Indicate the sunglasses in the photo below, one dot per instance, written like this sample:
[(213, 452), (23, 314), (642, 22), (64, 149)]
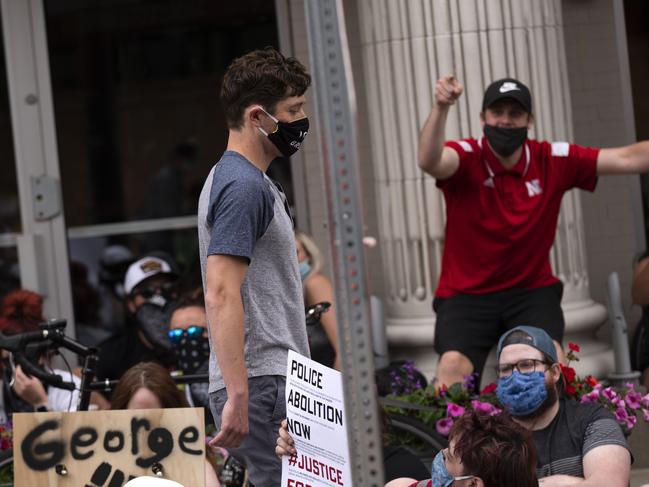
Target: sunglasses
[(176, 334), (166, 289)]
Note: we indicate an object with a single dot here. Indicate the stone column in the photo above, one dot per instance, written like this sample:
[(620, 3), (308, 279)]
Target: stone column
[(407, 46)]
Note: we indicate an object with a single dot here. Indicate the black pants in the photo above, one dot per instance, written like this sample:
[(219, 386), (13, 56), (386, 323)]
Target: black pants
[(472, 324)]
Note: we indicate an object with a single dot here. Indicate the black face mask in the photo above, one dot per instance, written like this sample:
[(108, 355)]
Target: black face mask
[(505, 141), (192, 353), (153, 320), (288, 136)]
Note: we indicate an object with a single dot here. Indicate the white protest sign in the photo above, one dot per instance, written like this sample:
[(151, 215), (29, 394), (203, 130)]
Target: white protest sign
[(315, 412), (107, 448)]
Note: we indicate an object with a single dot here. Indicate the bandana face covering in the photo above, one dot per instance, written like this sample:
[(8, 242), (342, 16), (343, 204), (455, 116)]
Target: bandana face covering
[(153, 320), (522, 394), (505, 141), (192, 352), (288, 136)]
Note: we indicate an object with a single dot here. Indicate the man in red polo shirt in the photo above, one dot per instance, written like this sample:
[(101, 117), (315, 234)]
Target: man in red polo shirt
[(503, 195)]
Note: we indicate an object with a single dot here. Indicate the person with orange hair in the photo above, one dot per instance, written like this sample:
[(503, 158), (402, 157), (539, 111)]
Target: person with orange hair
[(21, 311)]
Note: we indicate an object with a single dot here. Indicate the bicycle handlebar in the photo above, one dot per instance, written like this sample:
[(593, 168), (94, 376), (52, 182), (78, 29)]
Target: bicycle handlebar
[(52, 379), (51, 331)]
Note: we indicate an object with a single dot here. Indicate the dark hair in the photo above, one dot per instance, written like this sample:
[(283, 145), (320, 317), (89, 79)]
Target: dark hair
[(496, 449), (262, 77), (190, 299), (152, 376)]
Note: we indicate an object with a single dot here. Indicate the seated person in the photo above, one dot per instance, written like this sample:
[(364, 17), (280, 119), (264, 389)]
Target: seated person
[(148, 385), (21, 311), (483, 451), (317, 289), (188, 337), (150, 286), (575, 441)]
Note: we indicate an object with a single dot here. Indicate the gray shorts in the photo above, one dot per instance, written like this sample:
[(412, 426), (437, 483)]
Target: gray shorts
[(266, 410)]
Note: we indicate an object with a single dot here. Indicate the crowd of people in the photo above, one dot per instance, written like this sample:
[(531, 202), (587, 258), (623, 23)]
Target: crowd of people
[(503, 193)]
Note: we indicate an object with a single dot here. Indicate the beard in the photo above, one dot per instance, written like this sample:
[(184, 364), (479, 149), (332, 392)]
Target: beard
[(546, 405)]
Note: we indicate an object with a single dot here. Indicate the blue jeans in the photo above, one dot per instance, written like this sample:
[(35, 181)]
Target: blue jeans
[(266, 410)]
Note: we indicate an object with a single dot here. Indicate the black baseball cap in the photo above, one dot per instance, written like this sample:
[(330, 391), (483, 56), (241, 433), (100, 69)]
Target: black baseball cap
[(507, 88)]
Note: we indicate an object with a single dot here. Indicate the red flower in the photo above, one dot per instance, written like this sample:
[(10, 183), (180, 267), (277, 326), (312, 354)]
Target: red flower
[(488, 389), (591, 381), (573, 346), (570, 389), (568, 373)]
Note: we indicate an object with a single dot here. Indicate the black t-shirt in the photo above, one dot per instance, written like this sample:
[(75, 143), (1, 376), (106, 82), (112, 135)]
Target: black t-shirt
[(401, 462), (576, 429), (123, 351)]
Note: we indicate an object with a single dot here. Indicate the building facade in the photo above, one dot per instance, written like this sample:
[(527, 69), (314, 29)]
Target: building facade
[(109, 105)]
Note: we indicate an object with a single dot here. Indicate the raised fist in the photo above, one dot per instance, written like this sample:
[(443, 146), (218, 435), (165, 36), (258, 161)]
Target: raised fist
[(447, 90)]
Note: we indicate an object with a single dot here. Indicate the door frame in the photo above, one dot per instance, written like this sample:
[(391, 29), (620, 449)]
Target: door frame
[(42, 244)]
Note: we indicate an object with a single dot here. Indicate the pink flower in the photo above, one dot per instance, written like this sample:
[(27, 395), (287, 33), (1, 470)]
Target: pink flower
[(633, 400), (443, 426), (645, 401), (646, 415), (631, 421), (453, 410), (590, 397), (485, 407), (609, 394), (621, 415)]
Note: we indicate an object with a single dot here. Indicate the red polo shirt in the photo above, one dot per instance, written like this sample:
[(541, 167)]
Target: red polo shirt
[(501, 223)]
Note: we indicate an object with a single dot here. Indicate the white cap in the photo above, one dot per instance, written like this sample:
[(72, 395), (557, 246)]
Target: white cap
[(147, 481), (143, 269)]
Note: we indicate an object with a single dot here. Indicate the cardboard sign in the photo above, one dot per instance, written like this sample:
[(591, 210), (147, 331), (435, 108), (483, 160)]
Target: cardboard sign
[(108, 448), (315, 412)]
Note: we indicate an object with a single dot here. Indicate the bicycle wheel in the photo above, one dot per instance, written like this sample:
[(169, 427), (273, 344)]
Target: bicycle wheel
[(432, 441)]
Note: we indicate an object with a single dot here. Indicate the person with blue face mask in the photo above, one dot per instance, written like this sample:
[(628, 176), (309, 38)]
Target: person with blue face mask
[(323, 335), (484, 451), (578, 443)]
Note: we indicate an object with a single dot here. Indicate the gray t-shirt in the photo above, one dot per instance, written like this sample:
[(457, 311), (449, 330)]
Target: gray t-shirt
[(242, 213), (576, 429)]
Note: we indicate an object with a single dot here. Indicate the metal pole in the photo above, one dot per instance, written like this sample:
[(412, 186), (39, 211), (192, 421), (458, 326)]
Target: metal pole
[(623, 372), (336, 114)]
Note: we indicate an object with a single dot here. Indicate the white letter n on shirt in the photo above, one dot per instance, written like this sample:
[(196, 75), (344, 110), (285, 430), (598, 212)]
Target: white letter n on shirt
[(533, 188)]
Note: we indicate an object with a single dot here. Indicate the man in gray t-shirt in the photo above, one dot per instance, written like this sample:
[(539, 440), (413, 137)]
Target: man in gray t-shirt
[(253, 290)]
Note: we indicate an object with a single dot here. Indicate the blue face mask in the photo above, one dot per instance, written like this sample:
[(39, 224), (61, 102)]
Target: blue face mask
[(522, 394), (440, 476), (305, 268)]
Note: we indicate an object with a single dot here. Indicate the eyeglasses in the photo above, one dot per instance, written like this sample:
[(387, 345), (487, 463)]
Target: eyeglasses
[(177, 334), (166, 289), (525, 366)]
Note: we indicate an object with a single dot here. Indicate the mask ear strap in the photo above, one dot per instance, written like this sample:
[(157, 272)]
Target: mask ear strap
[(271, 117), (261, 129)]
